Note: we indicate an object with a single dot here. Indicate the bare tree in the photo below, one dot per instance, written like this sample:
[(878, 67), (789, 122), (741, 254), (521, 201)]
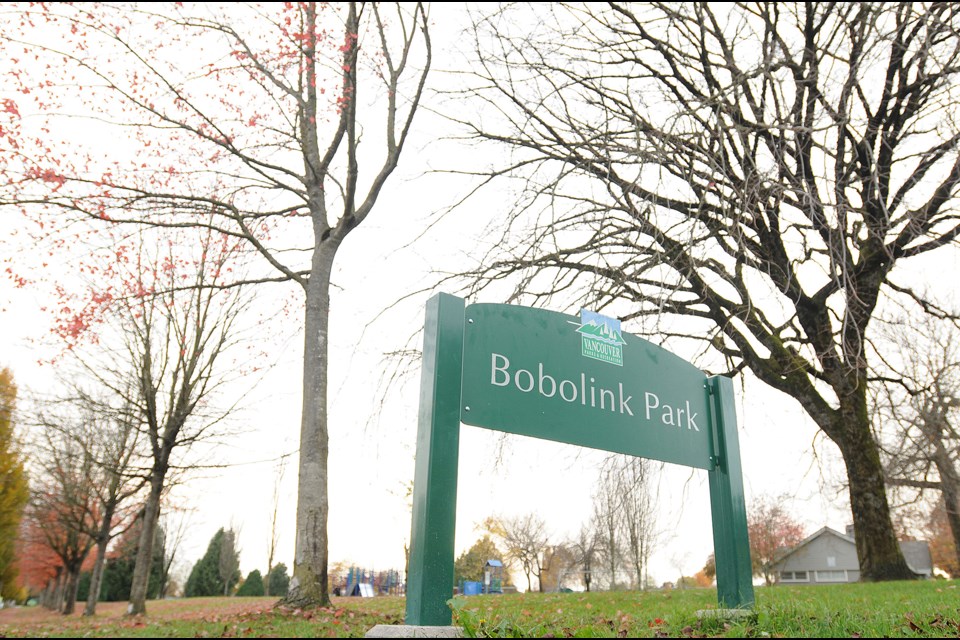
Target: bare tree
[(90, 476), (749, 176), (585, 551), (104, 441), (152, 336), (175, 340), (917, 413), (249, 119), (63, 508), (524, 540), (607, 518), (118, 479), (624, 517), (634, 477)]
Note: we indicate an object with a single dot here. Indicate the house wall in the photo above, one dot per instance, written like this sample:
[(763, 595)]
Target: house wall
[(815, 557)]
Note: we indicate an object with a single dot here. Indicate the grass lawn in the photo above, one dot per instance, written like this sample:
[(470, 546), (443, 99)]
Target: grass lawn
[(208, 618), (902, 609)]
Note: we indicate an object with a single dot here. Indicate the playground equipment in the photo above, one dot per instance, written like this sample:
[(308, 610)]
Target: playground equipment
[(368, 583), (493, 577)]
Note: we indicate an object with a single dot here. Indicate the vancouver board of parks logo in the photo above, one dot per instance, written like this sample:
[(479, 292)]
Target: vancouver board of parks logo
[(601, 338)]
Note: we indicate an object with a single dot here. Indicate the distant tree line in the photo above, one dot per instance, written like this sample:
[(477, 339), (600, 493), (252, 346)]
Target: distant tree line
[(217, 573)]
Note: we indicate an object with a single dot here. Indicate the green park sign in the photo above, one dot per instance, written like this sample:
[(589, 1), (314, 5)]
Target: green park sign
[(537, 373), (573, 379)]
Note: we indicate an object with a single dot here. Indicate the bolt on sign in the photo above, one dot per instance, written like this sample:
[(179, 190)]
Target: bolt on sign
[(572, 379)]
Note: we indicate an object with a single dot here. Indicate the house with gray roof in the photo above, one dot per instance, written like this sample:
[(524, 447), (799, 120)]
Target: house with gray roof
[(830, 556)]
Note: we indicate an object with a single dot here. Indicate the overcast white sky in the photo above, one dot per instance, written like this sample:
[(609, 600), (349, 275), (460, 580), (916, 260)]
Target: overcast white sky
[(372, 447)]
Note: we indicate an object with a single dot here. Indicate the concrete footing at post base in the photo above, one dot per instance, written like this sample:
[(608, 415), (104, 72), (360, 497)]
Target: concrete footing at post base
[(413, 631)]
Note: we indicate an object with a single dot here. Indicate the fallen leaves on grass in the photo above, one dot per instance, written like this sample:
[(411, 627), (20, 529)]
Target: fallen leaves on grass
[(938, 626), (911, 624)]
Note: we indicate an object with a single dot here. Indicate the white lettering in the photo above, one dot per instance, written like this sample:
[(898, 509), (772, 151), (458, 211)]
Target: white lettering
[(667, 417), (516, 380), (624, 404), (691, 419), (541, 378), (549, 386), (494, 369), (603, 394), (651, 401)]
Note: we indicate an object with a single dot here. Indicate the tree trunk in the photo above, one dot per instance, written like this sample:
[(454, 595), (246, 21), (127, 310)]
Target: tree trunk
[(538, 572), (47, 598), (164, 576), (613, 561), (141, 571), (877, 549), (58, 589), (646, 565), (308, 586), (96, 579), (70, 585)]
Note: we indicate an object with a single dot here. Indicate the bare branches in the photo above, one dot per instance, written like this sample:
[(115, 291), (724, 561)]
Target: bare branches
[(241, 121), (624, 522), (730, 144), (525, 540), (63, 508), (746, 177), (254, 168), (916, 418)]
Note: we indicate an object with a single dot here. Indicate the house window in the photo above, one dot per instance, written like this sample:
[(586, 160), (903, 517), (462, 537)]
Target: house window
[(831, 576), (831, 561), (794, 576)]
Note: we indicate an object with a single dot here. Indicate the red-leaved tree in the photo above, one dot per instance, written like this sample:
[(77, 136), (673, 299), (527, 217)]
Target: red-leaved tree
[(101, 434), (771, 529), (242, 119), (38, 566), (62, 511)]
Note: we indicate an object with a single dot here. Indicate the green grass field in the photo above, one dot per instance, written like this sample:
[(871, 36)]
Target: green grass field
[(903, 609)]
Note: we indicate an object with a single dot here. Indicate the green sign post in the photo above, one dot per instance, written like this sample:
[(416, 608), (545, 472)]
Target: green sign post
[(571, 379)]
